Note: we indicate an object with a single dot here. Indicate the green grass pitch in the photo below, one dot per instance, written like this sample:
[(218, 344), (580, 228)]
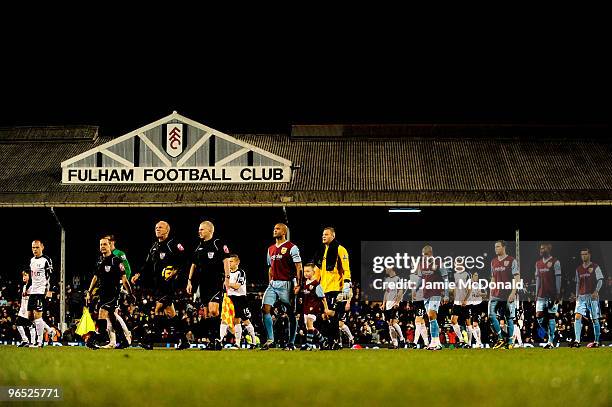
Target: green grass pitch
[(135, 377)]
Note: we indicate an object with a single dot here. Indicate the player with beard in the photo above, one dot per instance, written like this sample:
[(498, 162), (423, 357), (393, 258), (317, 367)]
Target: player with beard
[(285, 275)]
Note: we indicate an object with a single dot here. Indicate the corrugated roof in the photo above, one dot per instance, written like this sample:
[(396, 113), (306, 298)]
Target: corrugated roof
[(48, 133), (346, 170), (446, 130)]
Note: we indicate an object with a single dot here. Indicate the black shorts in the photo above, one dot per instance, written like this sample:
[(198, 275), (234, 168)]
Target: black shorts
[(478, 310), (464, 312), (211, 296), (109, 303), (166, 299), (241, 307), (345, 317), (392, 313), (21, 321), (211, 291), (419, 308), (36, 302), (335, 305)]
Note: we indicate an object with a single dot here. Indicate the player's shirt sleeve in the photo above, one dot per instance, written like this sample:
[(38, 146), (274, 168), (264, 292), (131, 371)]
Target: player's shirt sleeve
[(319, 291), (126, 263), (444, 273), (577, 284), (223, 248), (558, 277), (180, 255), (178, 248), (295, 254), (97, 269), (241, 277), (194, 255), (515, 269), (386, 294), (48, 271), (599, 277), (48, 266), (598, 273), (117, 264), (537, 280), (148, 264), (269, 259), (344, 259)]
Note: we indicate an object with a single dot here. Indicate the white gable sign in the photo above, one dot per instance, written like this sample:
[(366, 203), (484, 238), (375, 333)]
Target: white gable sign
[(175, 149)]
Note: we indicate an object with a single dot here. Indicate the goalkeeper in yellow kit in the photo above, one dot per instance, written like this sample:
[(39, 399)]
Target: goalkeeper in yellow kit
[(332, 267)]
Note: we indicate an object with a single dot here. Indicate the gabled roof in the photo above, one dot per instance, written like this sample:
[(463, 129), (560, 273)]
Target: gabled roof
[(201, 138)]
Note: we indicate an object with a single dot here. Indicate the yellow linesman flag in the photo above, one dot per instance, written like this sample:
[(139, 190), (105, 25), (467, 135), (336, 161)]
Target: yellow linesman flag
[(228, 312), (86, 324)]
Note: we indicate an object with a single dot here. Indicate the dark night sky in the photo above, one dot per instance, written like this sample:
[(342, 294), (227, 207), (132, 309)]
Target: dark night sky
[(261, 84)]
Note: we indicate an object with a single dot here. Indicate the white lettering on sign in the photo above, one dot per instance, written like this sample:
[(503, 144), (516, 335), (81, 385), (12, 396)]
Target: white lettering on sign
[(174, 139), (155, 175)]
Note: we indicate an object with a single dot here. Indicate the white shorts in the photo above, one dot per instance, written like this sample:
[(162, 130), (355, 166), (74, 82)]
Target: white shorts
[(585, 303), (312, 317), (433, 303), (547, 304), (23, 309)]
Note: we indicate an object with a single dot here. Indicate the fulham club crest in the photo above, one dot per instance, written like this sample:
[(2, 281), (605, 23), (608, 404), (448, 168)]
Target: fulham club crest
[(174, 139)]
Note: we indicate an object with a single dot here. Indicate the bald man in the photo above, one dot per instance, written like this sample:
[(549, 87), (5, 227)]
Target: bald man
[(40, 276), (285, 274), (164, 261), (209, 265)]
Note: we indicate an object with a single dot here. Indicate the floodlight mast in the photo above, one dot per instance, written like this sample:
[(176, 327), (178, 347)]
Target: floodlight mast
[(62, 282)]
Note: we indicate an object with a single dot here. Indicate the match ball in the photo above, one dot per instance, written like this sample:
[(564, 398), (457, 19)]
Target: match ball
[(167, 272)]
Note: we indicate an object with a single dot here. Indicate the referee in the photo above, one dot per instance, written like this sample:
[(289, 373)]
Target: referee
[(209, 266), (109, 270), (163, 263)]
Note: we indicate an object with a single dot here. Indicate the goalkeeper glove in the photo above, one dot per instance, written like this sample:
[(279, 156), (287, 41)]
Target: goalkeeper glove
[(347, 288), (346, 293)]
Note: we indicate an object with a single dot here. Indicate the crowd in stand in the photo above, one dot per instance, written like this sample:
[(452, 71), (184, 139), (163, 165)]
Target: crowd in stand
[(365, 319)]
